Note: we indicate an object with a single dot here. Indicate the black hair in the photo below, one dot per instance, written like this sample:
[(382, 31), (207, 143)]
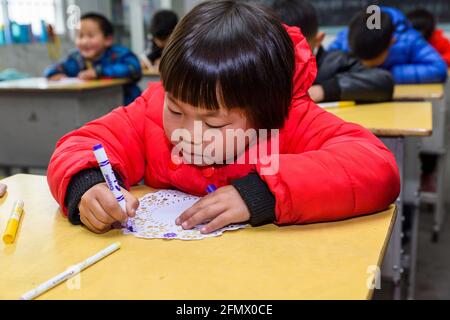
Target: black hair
[(423, 21), (163, 23), (368, 43), (231, 53), (298, 13), (103, 22)]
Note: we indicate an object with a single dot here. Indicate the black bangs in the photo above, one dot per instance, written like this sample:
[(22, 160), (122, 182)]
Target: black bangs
[(231, 54)]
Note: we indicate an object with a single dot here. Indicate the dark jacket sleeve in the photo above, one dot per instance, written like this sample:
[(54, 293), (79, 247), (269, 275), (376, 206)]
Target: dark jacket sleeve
[(343, 77)]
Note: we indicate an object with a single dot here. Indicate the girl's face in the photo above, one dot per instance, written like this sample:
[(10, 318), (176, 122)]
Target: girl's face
[(195, 130), (90, 40)]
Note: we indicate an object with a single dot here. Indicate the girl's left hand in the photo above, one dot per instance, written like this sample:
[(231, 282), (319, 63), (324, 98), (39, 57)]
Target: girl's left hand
[(220, 208)]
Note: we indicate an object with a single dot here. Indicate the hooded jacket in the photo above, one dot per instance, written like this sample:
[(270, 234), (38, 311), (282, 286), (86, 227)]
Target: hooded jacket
[(325, 169), (411, 58)]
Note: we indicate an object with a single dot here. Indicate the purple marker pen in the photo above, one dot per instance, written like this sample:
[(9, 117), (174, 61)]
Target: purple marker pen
[(110, 178)]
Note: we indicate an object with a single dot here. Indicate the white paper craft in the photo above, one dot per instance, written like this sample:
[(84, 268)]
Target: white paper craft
[(65, 82), (156, 215)]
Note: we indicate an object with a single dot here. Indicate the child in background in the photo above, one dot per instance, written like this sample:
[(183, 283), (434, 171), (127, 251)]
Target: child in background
[(215, 71), (163, 23), (395, 46), (340, 76), (424, 22), (97, 57)]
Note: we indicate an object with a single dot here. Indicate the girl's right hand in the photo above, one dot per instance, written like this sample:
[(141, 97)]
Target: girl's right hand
[(99, 209)]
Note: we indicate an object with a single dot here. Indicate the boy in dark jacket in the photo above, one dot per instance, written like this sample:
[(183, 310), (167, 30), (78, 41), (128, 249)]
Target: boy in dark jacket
[(340, 75), (395, 46)]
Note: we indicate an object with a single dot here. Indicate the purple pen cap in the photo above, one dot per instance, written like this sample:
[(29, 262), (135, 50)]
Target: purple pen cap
[(97, 146), (211, 188)]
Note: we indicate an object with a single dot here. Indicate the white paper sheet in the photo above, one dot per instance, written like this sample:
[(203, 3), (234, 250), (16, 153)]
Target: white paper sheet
[(156, 215)]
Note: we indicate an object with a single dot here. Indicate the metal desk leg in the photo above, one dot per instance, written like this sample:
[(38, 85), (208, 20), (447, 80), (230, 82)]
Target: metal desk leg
[(392, 265), (413, 250), (436, 145), (439, 211)]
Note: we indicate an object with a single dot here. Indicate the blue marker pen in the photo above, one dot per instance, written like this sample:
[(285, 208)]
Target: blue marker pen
[(110, 177)]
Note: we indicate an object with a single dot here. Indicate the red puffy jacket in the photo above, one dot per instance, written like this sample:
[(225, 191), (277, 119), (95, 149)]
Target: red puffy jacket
[(441, 44), (328, 169)]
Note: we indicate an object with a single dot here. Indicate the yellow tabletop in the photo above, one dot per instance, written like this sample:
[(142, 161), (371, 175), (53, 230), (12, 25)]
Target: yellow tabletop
[(66, 85), (318, 261), (390, 118), (418, 91)]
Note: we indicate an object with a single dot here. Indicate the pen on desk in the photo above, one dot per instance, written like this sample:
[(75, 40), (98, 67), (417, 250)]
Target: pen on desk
[(110, 177), (13, 222), (336, 104), (70, 272)]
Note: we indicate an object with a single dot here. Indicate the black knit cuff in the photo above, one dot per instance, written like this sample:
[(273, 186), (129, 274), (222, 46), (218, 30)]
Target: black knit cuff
[(331, 90), (79, 184), (258, 198)]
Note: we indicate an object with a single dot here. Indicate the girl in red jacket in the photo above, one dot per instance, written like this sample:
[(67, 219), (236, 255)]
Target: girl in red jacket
[(228, 66)]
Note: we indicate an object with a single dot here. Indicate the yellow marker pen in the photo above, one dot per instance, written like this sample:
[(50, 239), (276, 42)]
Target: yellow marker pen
[(89, 65), (336, 104), (13, 222)]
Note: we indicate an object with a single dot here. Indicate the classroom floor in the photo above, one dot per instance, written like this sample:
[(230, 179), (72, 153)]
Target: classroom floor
[(433, 263)]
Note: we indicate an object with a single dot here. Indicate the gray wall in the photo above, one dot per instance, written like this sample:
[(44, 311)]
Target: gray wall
[(30, 58)]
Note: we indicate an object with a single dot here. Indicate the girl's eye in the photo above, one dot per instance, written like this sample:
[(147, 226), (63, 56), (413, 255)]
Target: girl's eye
[(214, 127), (174, 112)]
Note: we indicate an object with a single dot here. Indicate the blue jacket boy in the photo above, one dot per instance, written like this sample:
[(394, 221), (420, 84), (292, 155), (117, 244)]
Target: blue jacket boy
[(115, 62), (410, 58)]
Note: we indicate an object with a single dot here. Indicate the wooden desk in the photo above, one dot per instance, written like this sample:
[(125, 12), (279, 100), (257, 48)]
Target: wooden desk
[(390, 119), (39, 85), (418, 91), (147, 77), (393, 122), (36, 113), (318, 261)]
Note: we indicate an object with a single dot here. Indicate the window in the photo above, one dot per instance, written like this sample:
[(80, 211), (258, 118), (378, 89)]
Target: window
[(32, 12), (26, 17), (1, 15)]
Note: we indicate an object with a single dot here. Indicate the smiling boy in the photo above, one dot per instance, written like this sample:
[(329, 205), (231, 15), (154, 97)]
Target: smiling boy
[(98, 57)]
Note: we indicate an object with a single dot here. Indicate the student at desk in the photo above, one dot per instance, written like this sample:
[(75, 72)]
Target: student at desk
[(395, 46), (340, 76), (316, 168), (97, 57), (163, 23), (424, 22)]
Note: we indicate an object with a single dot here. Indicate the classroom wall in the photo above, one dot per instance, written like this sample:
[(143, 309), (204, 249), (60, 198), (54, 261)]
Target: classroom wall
[(101, 6), (30, 58)]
